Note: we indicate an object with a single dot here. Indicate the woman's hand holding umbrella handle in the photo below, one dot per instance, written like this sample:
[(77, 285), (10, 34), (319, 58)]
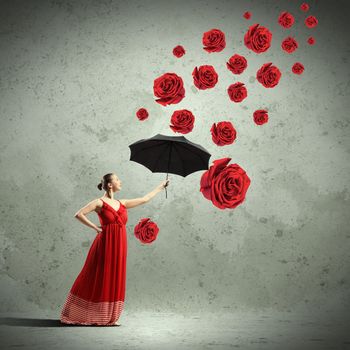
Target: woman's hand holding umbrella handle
[(163, 184)]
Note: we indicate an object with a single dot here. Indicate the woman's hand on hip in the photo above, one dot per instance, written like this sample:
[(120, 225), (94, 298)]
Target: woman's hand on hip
[(98, 229)]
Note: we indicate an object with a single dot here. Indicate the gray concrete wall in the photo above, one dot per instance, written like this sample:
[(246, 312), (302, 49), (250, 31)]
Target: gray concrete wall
[(72, 76)]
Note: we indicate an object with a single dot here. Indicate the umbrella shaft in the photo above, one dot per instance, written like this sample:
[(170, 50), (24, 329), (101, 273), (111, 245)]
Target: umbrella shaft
[(171, 147)]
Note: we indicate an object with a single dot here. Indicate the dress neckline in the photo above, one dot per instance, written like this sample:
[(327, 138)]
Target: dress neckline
[(120, 204)]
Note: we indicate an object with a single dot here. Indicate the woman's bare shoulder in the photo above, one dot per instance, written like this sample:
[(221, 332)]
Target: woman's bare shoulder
[(98, 202)]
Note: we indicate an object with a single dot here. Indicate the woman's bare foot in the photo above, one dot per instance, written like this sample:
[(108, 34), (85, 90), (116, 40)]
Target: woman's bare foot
[(117, 324)]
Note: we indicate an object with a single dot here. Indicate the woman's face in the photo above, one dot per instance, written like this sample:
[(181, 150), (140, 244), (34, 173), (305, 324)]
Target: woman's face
[(116, 183)]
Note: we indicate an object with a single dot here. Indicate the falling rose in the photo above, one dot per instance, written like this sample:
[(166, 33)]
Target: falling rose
[(268, 75), (225, 185), (258, 39), (169, 88)]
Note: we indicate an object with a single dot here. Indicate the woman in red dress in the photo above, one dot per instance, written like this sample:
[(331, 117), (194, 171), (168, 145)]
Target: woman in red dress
[(98, 293)]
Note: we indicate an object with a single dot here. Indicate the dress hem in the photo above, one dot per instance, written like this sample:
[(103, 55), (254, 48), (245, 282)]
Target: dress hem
[(79, 311)]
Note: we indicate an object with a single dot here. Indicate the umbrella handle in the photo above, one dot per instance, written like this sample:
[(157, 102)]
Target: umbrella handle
[(166, 194)]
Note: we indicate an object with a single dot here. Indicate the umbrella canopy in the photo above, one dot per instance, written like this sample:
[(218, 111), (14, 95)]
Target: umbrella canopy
[(170, 154)]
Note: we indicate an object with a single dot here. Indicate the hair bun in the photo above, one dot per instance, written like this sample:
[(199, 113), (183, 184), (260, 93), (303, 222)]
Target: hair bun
[(99, 186)]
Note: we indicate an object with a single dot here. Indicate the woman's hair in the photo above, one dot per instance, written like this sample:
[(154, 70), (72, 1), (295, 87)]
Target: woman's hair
[(104, 181)]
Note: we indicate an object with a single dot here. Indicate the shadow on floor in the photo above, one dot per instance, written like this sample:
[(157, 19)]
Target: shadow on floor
[(40, 322)]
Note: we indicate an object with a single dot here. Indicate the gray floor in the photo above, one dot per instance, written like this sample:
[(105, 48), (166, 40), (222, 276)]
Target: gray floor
[(146, 330)]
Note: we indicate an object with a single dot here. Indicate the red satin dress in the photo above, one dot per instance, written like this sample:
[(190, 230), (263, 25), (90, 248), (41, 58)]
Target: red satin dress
[(98, 293)]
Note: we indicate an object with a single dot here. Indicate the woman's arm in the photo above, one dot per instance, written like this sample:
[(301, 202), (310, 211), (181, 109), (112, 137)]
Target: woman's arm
[(131, 203), (152, 194), (80, 214)]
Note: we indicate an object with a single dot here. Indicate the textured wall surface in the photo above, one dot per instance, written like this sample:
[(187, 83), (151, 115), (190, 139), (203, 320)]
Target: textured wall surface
[(72, 77)]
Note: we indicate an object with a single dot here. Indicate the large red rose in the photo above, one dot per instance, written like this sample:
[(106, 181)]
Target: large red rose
[(289, 44), (298, 68), (258, 39), (223, 133), (169, 88), (225, 185), (237, 64), (178, 51), (182, 120), (286, 19), (237, 92), (260, 116), (146, 230), (214, 40), (311, 21), (268, 75), (205, 77), (142, 114)]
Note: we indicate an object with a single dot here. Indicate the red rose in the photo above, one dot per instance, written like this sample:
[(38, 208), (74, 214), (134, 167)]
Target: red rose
[(223, 133), (289, 44), (205, 77), (311, 21), (258, 39), (286, 19), (260, 116), (237, 64), (142, 114), (146, 231), (214, 40), (182, 121), (268, 75), (178, 51), (304, 7), (169, 87), (311, 40), (225, 186), (237, 92), (297, 68), (247, 15)]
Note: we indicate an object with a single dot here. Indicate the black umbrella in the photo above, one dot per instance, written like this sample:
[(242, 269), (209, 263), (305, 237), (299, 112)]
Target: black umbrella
[(170, 154)]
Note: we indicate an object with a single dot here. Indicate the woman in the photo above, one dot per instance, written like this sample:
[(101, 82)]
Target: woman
[(98, 293)]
